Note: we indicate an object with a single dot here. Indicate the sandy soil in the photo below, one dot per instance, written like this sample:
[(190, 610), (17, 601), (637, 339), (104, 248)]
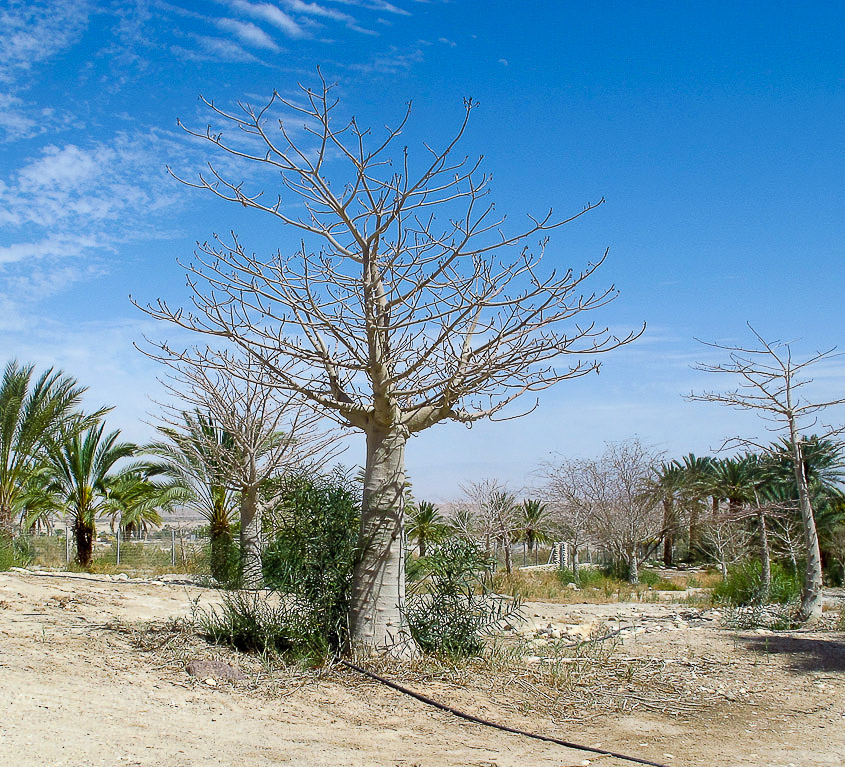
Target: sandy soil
[(90, 674)]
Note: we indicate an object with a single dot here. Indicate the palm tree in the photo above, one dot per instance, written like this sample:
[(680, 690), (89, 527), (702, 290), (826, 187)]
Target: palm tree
[(426, 525), (80, 468), (32, 413), (136, 498), (533, 523), (190, 460), (696, 485), (665, 486), (742, 482)]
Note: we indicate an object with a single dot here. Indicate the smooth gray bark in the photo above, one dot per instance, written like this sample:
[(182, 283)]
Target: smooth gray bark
[(251, 573), (765, 558), (811, 594), (376, 615)]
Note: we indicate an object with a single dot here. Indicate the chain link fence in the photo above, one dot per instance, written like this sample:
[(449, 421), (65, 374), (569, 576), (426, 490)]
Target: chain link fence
[(157, 553)]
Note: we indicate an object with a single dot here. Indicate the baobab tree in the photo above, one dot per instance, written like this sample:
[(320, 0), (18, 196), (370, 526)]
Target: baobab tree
[(409, 301), (771, 383)]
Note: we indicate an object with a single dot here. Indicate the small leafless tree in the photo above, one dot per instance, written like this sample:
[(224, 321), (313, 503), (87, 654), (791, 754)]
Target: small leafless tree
[(494, 515), (267, 433), (415, 306), (725, 539), (574, 504), (771, 384), (612, 493)]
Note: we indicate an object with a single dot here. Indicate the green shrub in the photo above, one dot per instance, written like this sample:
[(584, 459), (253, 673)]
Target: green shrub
[(14, 552), (452, 606), (309, 567), (649, 578), (249, 623), (744, 586)]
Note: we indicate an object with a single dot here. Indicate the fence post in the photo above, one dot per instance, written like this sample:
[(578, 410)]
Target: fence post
[(67, 546), (118, 545), (173, 548)]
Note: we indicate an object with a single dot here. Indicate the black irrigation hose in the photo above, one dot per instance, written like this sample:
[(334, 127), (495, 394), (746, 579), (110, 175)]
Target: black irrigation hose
[(502, 727)]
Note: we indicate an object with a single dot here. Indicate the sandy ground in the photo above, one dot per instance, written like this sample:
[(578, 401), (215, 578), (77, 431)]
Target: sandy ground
[(83, 681)]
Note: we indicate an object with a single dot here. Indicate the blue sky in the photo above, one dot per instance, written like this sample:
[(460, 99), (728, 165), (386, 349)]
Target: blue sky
[(714, 131)]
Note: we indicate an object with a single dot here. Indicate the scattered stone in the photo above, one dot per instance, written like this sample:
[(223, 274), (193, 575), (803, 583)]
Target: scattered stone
[(214, 670)]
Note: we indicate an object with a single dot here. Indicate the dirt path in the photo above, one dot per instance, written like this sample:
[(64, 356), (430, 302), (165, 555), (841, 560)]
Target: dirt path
[(78, 688)]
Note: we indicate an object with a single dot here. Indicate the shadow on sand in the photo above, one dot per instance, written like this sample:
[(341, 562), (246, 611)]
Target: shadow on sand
[(803, 654)]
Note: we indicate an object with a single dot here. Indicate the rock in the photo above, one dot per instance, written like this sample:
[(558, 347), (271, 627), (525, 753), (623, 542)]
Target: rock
[(211, 681), (214, 670), (573, 587)]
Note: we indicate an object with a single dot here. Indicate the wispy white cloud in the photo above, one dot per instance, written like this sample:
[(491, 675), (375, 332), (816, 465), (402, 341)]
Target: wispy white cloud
[(394, 60), (64, 211), (376, 5), (271, 14), (214, 49), (314, 9), (34, 31), (248, 33), (56, 246)]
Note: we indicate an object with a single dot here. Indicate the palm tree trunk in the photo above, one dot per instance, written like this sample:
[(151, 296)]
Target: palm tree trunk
[(668, 531), (376, 613), (633, 568), (84, 535)]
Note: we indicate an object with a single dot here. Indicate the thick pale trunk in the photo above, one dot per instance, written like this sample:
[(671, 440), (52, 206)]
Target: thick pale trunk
[(376, 614), (508, 564), (811, 595), (765, 559), (251, 574)]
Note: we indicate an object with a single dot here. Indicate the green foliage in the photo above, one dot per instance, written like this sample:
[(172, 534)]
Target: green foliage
[(14, 552), (744, 585), (309, 568), (224, 559), (249, 622), (452, 606), (312, 557)]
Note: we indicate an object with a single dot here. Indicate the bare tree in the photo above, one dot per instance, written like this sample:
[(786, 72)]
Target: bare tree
[(771, 384), (611, 495), (572, 499), (726, 540), (416, 305), (266, 434), (495, 516)]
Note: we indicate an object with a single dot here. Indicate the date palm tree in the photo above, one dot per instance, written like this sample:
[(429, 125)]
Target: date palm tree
[(82, 473), (32, 413), (665, 486), (190, 459), (533, 523), (426, 525), (137, 497)]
